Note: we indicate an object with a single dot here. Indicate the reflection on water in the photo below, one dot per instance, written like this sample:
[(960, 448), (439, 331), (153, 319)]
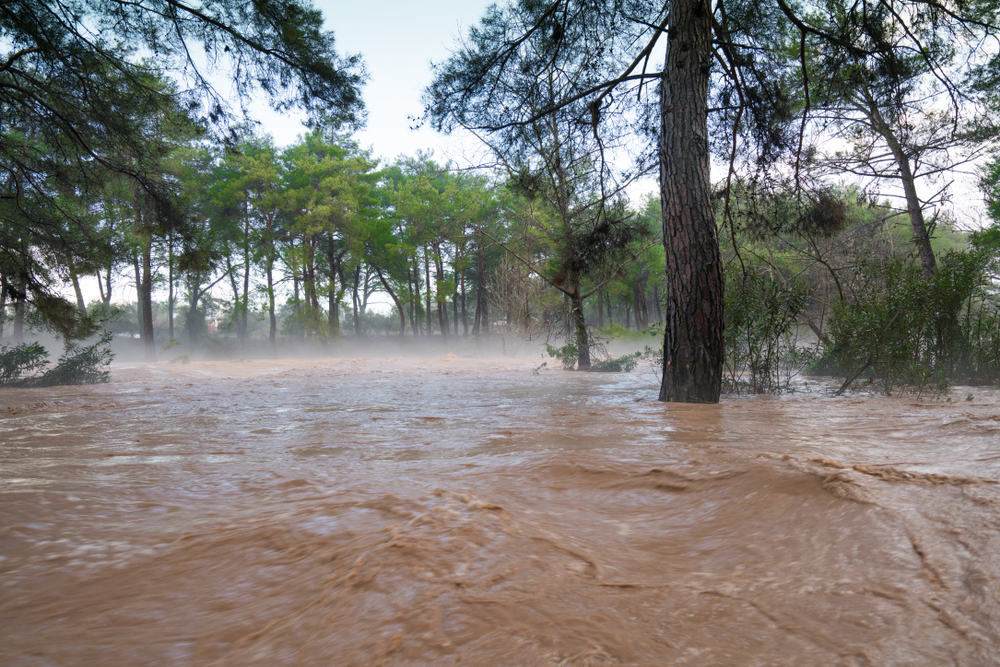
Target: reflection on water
[(451, 511)]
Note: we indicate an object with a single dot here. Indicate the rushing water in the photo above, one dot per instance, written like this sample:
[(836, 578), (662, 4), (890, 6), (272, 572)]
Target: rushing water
[(471, 512)]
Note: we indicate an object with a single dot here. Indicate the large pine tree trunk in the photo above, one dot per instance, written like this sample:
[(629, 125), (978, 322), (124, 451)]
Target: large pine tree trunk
[(693, 340)]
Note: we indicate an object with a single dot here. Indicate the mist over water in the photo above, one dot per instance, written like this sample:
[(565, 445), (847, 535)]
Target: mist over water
[(456, 511)]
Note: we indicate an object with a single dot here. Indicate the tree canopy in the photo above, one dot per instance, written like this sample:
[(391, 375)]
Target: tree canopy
[(81, 79), (745, 64)]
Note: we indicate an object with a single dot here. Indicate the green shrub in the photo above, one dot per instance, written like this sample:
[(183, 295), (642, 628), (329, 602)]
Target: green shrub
[(19, 363), (623, 364), (24, 365), (762, 354), (568, 354), (904, 332)]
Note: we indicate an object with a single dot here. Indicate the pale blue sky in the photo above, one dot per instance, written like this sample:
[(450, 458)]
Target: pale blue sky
[(398, 40)]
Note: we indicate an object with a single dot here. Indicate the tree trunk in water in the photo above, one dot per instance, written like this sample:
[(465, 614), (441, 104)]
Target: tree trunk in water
[(357, 303), (192, 316), (235, 321), (427, 293), (333, 299), (272, 331), (170, 287), (138, 295), (454, 307), (314, 309), (465, 317), (442, 303), (3, 307), (693, 336), (477, 324), (580, 325), (245, 305), (333, 304), (297, 328), (147, 300), (414, 275)]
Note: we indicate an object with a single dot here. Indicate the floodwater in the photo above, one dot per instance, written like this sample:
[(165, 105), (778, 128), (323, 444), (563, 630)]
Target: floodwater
[(471, 512)]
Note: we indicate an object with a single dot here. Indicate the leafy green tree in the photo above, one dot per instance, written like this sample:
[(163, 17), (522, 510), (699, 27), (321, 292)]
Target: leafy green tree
[(730, 51), (260, 177), (327, 196), (895, 99), (73, 96)]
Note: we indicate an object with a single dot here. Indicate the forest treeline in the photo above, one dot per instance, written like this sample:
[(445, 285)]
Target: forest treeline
[(295, 242), (826, 244)]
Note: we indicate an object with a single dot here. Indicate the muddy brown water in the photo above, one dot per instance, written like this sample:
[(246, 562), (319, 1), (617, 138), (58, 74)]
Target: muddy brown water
[(470, 512)]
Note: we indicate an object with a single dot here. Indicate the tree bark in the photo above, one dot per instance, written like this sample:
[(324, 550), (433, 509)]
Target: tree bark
[(921, 237), (333, 300), (414, 274), (245, 305), (357, 303), (3, 306), (454, 306), (442, 303), (641, 313), (147, 299), (580, 325), (600, 308), (272, 330), (75, 279), (427, 294), (477, 324), (465, 317), (19, 301), (138, 294), (170, 287), (693, 338), (395, 299), (236, 300)]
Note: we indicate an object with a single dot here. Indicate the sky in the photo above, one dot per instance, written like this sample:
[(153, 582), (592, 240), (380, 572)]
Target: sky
[(398, 40)]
